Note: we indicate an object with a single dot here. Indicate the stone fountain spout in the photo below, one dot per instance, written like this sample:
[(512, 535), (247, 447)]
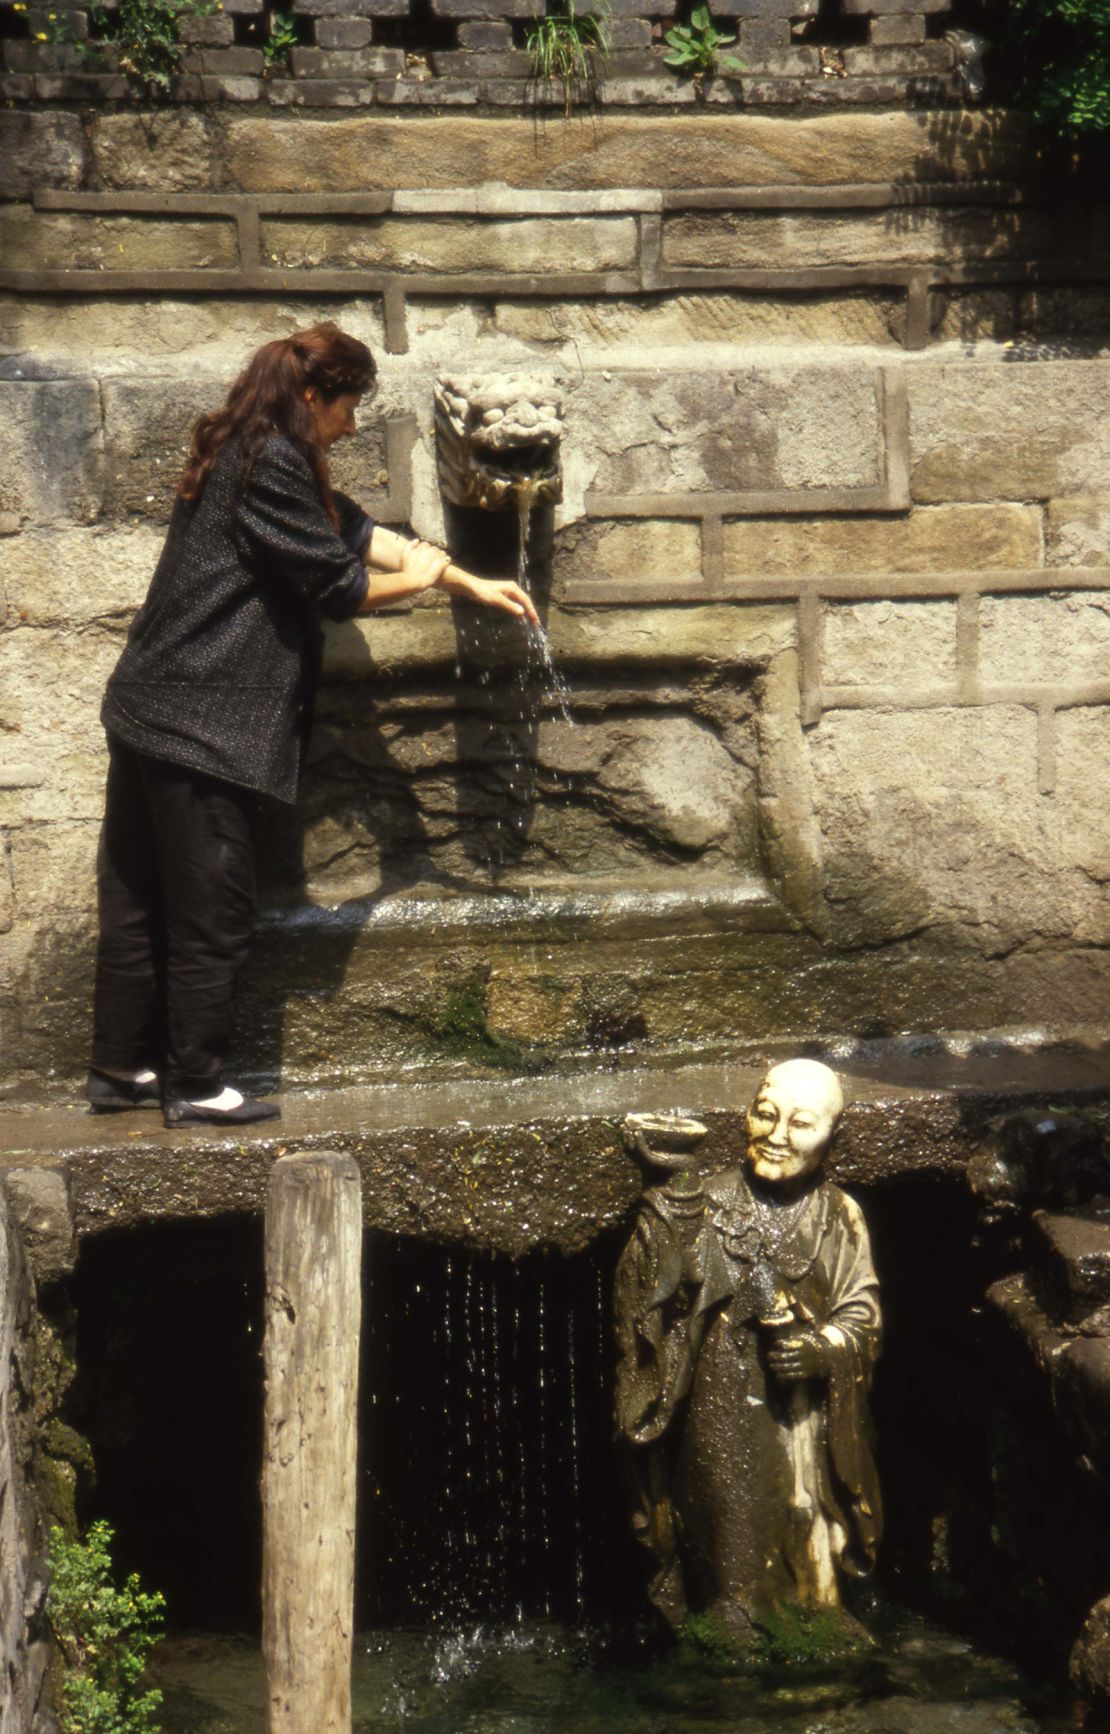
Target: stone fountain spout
[(498, 440)]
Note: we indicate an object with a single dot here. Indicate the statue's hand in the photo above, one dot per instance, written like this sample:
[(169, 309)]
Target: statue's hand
[(805, 1356)]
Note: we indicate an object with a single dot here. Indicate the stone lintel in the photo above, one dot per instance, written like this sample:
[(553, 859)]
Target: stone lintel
[(758, 503), (837, 587)]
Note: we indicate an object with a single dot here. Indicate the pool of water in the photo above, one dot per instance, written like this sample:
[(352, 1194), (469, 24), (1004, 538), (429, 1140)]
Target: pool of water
[(536, 1678)]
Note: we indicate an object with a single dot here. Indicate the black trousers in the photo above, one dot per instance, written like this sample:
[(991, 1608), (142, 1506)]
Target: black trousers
[(176, 900)]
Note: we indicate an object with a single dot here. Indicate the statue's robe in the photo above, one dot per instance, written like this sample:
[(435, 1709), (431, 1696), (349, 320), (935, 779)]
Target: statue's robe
[(752, 1492)]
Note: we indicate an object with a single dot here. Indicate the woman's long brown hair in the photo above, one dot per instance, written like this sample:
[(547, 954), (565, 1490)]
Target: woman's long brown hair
[(268, 398)]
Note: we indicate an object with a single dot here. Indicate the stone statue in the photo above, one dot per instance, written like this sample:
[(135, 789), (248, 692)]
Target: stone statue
[(748, 1323)]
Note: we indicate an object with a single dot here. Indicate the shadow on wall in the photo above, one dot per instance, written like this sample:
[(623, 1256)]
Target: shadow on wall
[(1051, 304)]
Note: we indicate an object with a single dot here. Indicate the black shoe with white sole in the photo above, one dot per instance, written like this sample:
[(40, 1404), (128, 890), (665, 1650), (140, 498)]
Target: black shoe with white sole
[(179, 1113), (108, 1095)]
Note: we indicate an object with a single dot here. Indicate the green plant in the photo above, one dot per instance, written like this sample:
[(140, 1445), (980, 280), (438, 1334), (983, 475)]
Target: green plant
[(281, 40), (696, 47), (104, 1636), (146, 36), (564, 46), (1065, 50)]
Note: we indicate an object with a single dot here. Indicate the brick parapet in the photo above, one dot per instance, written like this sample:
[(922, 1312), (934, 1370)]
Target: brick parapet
[(359, 53)]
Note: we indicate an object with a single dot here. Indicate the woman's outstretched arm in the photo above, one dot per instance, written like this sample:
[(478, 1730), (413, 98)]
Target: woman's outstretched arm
[(404, 568)]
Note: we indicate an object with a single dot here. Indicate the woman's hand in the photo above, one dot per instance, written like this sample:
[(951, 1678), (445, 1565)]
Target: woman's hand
[(424, 563), (494, 593)]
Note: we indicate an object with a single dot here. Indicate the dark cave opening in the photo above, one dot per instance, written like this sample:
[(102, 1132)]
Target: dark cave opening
[(487, 1480)]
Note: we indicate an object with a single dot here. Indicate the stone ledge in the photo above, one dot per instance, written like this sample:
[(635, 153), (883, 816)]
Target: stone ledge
[(503, 1164)]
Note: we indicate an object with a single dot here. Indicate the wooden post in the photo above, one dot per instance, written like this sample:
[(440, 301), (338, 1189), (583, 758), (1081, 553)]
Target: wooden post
[(313, 1309)]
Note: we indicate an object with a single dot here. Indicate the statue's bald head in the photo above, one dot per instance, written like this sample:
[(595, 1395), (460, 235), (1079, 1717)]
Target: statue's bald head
[(792, 1119)]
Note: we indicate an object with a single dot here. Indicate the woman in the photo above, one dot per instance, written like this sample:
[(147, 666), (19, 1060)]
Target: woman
[(209, 706)]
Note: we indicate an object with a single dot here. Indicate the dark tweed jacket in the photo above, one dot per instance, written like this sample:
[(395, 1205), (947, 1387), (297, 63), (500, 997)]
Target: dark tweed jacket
[(222, 659)]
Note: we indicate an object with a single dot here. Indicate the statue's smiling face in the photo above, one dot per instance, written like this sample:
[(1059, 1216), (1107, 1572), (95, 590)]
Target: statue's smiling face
[(791, 1120)]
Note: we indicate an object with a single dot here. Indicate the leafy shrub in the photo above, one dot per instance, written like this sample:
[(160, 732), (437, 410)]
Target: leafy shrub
[(104, 1636), (1065, 52), (147, 37)]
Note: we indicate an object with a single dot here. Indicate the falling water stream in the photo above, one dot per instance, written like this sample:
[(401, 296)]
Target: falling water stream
[(540, 656), (498, 1591)]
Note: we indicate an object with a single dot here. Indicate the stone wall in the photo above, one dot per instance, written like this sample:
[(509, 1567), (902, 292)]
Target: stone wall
[(468, 53), (24, 1647), (829, 582)]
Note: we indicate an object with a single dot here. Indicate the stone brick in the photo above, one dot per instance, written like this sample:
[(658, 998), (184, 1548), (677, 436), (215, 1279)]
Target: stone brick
[(981, 430), (55, 241), (167, 151), (1077, 531), (434, 92), (353, 8), (908, 58), (268, 155), (909, 27), (1060, 639), (50, 451), (42, 57), (630, 33), (749, 239), (348, 63), (41, 150), (932, 818), (765, 427), (71, 577), (139, 336), (226, 64), (483, 8), (759, 35), (344, 33), (485, 33), (938, 539), (633, 549), (213, 30), (893, 644), (705, 318), (319, 93), (531, 244), (480, 63), (1082, 749)]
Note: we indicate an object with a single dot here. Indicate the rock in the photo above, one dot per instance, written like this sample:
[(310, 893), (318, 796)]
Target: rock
[(41, 150), (164, 152), (1037, 1157), (904, 644), (41, 1203)]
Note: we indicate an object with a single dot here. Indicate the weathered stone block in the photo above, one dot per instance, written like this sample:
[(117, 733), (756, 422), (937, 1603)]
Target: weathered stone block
[(53, 683), (169, 151), (909, 645), (963, 418), (265, 155), (138, 337), (50, 451), (749, 239), (480, 63), (55, 241), (761, 35), (1062, 639), (40, 1200), (933, 817), (1082, 743), (767, 427), (344, 33), (226, 64), (434, 92), (635, 549), (41, 150), (320, 93), (213, 30), (53, 868), (485, 33), (147, 429), (348, 63), (72, 577), (941, 539), (882, 59), (353, 8), (1077, 531), (531, 244), (482, 8), (906, 27), (705, 318), (1076, 1254)]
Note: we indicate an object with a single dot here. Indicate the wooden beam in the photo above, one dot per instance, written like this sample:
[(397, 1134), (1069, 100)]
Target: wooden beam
[(313, 1311)]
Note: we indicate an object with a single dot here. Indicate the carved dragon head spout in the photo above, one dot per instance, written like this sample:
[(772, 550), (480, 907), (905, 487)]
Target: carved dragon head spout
[(497, 439)]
